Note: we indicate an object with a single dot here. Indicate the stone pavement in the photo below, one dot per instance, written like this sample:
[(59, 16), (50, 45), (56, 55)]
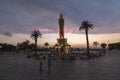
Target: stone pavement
[(19, 67)]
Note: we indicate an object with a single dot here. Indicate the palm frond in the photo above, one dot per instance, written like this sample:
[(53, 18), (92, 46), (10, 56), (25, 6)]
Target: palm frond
[(86, 25), (36, 34)]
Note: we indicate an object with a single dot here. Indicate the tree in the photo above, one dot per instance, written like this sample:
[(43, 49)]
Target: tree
[(26, 44), (46, 44), (35, 35), (95, 44), (103, 45), (32, 46), (23, 45), (7, 47), (86, 25)]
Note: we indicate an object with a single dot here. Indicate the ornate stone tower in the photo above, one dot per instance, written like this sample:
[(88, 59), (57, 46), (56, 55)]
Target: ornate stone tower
[(62, 45)]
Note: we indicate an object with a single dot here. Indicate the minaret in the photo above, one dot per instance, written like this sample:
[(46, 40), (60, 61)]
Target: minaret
[(61, 26)]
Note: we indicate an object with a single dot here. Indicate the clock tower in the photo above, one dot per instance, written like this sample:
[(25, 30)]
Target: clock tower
[(62, 45)]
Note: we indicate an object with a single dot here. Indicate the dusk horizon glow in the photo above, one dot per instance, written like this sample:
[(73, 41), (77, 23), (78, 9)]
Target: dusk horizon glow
[(75, 40)]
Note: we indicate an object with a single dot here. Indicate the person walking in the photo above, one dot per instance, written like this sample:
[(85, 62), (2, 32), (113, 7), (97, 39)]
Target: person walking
[(49, 63), (41, 66)]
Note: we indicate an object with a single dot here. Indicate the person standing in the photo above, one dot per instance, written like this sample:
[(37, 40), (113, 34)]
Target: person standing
[(49, 63)]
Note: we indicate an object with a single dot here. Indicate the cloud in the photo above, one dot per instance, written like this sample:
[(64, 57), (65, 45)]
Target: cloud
[(46, 30), (9, 34), (23, 16)]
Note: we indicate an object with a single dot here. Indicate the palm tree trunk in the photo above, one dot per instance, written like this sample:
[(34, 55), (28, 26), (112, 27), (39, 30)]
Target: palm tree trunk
[(35, 47), (87, 41)]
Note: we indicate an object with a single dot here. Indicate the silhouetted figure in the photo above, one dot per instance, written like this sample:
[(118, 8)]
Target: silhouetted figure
[(41, 66), (44, 57), (49, 63), (28, 56), (71, 58), (41, 69)]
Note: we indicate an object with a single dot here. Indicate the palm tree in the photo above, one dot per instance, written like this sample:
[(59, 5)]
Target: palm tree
[(86, 25), (46, 44), (35, 35)]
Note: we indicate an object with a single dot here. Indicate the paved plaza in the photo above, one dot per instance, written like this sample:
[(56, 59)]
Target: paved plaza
[(19, 67)]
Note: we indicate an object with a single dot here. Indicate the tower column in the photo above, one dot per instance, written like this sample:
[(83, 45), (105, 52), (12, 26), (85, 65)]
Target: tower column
[(61, 26)]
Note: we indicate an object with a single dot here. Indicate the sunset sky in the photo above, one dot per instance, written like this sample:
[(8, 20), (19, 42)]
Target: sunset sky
[(19, 17)]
